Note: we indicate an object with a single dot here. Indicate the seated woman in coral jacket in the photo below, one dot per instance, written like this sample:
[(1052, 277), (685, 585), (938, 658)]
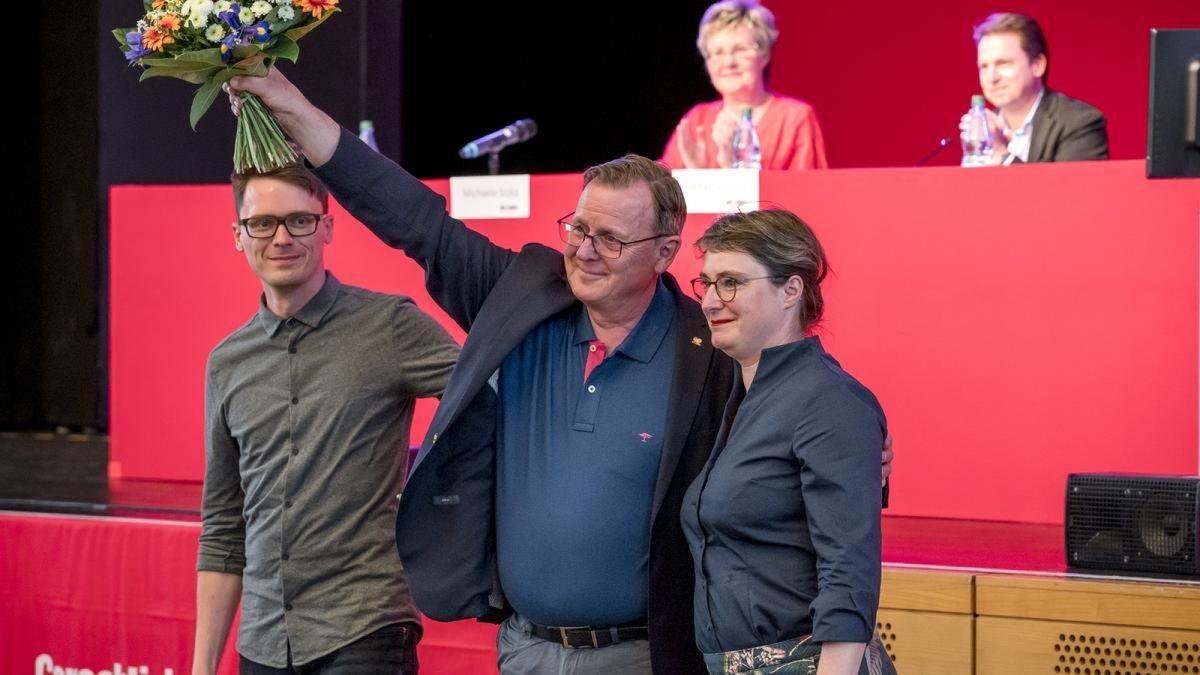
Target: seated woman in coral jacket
[(736, 37)]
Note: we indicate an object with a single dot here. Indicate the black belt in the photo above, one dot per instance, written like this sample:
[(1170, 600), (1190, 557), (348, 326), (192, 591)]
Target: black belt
[(589, 636)]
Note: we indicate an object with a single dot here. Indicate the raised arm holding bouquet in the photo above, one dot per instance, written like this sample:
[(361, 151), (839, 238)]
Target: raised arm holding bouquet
[(208, 43)]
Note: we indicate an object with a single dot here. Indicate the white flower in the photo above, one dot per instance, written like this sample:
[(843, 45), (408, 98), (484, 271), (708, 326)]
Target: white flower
[(246, 16), (215, 32), (202, 7), (222, 6), (286, 13), (260, 7), (187, 7), (142, 26), (284, 2), (198, 20)]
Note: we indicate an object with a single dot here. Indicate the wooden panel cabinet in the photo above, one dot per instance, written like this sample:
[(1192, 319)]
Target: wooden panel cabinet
[(1008, 645), (926, 622), (1085, 627)]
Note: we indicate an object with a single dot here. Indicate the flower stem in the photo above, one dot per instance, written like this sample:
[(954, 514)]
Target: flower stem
[(259, 143)]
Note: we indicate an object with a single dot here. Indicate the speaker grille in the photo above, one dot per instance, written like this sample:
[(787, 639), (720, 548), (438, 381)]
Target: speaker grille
[(1131, 523), (887, 637), (1108, 654)]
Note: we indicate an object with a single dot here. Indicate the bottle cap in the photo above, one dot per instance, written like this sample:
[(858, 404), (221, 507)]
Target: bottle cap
[(977, 99), (747, 112), (366, 125)]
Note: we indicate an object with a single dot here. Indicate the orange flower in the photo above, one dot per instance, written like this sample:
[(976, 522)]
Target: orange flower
[(154, 39), (157, 4), (169, 22), (315, 7)]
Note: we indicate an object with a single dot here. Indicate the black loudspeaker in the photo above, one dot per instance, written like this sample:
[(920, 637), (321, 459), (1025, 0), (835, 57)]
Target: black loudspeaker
[(1131, 523)]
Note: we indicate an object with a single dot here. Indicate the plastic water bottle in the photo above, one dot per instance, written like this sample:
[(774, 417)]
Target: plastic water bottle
[(747, 154), (977, 139), (366, 133)]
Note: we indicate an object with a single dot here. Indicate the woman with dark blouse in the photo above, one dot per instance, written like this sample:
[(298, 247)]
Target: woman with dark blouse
[(784, 520)]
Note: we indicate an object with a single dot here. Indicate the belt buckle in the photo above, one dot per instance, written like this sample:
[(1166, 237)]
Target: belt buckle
[(566, 643)]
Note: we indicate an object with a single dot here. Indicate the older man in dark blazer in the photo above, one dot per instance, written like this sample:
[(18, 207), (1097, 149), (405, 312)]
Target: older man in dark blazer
[(586, 399), (1031, 123)]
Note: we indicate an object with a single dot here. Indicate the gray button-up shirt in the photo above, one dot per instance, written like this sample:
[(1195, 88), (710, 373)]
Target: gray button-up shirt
[(307, 422)]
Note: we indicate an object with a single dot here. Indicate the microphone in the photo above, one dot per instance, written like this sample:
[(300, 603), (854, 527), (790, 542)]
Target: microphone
[(943, 143), (517, 132)]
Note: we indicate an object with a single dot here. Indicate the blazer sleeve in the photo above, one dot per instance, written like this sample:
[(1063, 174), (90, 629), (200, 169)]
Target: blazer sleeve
[(461, 266), (1085, 139)]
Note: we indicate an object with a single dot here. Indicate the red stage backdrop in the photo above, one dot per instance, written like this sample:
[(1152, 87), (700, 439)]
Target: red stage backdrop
[(1017, 323), (890, 78)]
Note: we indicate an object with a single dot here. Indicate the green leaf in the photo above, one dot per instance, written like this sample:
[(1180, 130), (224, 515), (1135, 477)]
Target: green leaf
[(207, 93), (256, 65), (278, 25), (300, 31), (245, 51), (195, 77), (120, 34), (284, 48), (203, 100), (211, 57), (176, 65)]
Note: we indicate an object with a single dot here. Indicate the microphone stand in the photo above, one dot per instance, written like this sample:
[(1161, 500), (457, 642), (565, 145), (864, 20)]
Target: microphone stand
[(493, 163)]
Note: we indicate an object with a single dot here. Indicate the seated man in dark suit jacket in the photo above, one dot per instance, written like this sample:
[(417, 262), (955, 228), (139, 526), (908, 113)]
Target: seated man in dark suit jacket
[(1031, 123)]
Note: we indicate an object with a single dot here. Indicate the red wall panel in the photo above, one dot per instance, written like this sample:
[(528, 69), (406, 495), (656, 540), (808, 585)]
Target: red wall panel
[(890, 78), (1017, 323)]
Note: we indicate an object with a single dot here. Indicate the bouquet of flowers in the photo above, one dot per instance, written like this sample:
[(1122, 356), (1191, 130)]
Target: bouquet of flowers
[(207, 42)]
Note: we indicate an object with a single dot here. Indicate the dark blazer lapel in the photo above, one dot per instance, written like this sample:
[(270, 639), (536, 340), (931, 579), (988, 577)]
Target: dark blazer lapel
[(693, 356), (1045, 126), (522, 298)]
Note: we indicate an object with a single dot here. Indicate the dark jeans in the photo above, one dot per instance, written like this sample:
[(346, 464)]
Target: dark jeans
[(391, 650)]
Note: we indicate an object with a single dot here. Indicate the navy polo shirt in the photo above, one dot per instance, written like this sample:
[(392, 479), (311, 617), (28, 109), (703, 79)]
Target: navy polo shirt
[(576, 468)]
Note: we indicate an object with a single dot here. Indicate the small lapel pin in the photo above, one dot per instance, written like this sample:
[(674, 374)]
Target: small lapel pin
[(697, 341)]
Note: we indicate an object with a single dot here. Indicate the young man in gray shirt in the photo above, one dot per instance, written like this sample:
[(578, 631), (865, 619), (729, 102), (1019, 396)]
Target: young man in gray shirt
[(307, 414)]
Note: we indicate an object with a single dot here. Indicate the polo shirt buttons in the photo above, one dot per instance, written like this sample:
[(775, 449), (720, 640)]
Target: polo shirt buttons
[(284, 557), (295, 400), (591, 348), (291, 350), (287, 607), (591, 388), (287, 504)]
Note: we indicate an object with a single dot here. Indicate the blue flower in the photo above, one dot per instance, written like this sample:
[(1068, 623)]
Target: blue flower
[(230, 16), (136, 49), (259, 32), (227, 46)]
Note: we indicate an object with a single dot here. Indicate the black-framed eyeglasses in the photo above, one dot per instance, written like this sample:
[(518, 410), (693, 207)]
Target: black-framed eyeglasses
[(727, 287), (605, 244), (297, 224)]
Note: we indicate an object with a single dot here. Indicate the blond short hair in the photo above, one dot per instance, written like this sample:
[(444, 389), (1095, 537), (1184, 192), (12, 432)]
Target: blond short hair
[(731, 13)]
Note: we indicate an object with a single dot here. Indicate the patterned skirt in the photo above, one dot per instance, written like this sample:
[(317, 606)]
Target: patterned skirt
[(798, 656)]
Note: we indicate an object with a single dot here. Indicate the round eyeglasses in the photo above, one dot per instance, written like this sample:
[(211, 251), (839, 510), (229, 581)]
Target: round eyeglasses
[(726, 287), (605, 244)]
